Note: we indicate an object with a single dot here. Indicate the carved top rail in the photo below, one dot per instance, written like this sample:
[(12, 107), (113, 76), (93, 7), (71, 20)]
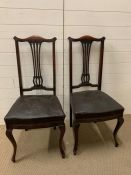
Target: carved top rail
[(34, 39), (85, 38)]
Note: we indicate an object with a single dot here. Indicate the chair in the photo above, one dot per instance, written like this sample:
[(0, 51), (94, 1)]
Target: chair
[(90, 105), (35, 111)]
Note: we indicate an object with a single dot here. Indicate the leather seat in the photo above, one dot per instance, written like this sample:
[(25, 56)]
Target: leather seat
[(94, 102), (35, 108)]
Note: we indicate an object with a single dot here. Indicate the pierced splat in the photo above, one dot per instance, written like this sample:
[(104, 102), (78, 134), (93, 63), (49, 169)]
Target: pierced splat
[(37, 78), (86, 47)]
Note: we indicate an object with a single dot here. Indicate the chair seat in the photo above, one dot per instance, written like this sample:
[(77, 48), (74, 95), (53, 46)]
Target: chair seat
[(35, 108), (94, 103)]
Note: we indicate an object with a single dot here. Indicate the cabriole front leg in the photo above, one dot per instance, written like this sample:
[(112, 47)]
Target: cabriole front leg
[(120, 121), (12, 140), (62, 132), (76, 130)]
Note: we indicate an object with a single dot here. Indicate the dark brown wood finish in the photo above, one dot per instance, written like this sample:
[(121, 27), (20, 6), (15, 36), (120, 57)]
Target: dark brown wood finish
[(86, 42), (120, 121), (62, 132), (34, 122), (76, 129), (35, 44), (11, 138), (81, 115)]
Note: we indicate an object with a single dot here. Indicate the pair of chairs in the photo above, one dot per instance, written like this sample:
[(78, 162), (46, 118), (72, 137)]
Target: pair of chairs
[(42, 111)]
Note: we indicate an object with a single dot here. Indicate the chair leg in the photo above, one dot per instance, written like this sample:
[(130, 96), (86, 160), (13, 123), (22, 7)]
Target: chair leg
[(62, 132), (11, 138), (76, 129), (70, 116), (120, 121)]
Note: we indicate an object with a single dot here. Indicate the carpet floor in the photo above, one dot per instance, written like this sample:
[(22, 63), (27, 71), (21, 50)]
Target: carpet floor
[(38, 152)]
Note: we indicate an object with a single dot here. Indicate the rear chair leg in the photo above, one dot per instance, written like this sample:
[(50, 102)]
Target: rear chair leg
[(12, 140), (62, 132), (120, 121)]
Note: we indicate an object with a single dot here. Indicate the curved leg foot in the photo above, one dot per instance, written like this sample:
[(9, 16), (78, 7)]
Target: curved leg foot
[(11, 138), (120, 121), (76, 129), (62, 132)]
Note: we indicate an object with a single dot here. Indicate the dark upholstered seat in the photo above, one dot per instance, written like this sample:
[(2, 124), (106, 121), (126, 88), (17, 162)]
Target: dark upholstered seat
[(35, 108), (94, 102)]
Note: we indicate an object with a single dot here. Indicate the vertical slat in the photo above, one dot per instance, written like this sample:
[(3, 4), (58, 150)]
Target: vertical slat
[(35, 49), (70, 64), (70, 78), (39, 73), (32, 51), (19, 67), (86, 47), (101, 64), (54, 69)]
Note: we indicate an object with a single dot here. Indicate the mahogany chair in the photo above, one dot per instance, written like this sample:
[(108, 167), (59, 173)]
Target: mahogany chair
[(91, 105), (35, 111)]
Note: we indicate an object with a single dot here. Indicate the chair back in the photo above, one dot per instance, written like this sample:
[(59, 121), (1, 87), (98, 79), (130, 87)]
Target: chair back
[(35, 43), (86, 43)]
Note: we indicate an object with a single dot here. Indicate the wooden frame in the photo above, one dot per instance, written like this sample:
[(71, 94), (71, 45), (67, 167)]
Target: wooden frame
[(35, 43), (86, 42)]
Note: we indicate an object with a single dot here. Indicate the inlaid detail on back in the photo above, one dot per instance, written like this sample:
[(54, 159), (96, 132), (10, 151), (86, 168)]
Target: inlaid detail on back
[(86, 47), (35, 49)]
